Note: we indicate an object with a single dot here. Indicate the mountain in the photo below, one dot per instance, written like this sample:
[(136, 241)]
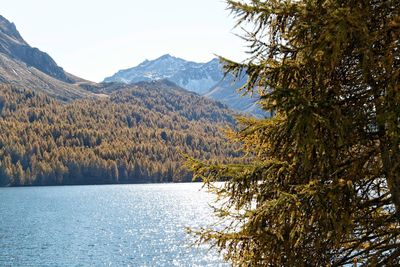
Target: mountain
[(195, 77), (27, 67), (30, 68), (59, 129), (202, 78)]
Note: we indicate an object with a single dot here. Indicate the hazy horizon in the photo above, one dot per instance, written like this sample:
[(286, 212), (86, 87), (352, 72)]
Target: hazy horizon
[(94, 39)]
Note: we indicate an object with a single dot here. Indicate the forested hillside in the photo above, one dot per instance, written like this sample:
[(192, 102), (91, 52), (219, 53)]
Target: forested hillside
[(133, 135)]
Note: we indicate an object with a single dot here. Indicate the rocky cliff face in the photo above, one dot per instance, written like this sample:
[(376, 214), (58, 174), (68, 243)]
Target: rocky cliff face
[(30, 68), (13, 45), (8, 29)]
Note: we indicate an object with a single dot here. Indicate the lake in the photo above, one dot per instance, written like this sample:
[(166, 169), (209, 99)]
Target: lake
[(104, 225)]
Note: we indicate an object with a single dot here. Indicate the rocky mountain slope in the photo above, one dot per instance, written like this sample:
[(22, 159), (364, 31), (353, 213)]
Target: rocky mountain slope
[(202, 78), (30, 68), (195, 77), (226, 92)]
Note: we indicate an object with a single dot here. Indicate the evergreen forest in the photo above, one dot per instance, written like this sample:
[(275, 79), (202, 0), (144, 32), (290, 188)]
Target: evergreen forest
[(135, 135)]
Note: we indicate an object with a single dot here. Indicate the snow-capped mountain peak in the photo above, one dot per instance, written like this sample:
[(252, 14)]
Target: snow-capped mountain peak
[(196, 77), (203, 78)]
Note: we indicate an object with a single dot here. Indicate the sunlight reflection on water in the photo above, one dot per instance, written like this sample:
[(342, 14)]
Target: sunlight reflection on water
[(110, 225)]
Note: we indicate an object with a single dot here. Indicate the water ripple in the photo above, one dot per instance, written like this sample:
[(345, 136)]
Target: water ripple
[(114, 225)]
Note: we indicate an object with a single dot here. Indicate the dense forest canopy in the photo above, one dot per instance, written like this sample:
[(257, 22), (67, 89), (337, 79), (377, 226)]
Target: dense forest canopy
[(136, 134), (323, 185)]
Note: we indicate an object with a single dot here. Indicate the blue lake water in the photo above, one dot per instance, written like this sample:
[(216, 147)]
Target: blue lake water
[(108, 225)]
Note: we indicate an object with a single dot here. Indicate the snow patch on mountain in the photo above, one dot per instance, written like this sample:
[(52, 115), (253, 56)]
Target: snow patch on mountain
[(202, 78)]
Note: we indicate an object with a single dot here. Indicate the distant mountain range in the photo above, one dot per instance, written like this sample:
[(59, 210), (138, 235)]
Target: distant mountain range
[(205, 79)]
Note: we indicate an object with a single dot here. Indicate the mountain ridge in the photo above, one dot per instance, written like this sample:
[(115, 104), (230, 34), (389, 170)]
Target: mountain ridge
[(207, 79), (177, 70), (30, 68), (13, 45)]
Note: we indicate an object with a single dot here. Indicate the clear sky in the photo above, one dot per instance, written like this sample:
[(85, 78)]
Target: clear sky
[(95, 38)]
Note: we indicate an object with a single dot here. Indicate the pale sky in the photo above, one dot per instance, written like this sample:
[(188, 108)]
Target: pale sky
[(95, 38)]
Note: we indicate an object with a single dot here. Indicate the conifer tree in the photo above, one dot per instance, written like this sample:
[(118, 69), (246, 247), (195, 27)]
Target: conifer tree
[(323, 184)]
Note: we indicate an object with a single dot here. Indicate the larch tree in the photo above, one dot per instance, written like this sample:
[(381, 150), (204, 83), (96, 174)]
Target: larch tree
[(322, 186)]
